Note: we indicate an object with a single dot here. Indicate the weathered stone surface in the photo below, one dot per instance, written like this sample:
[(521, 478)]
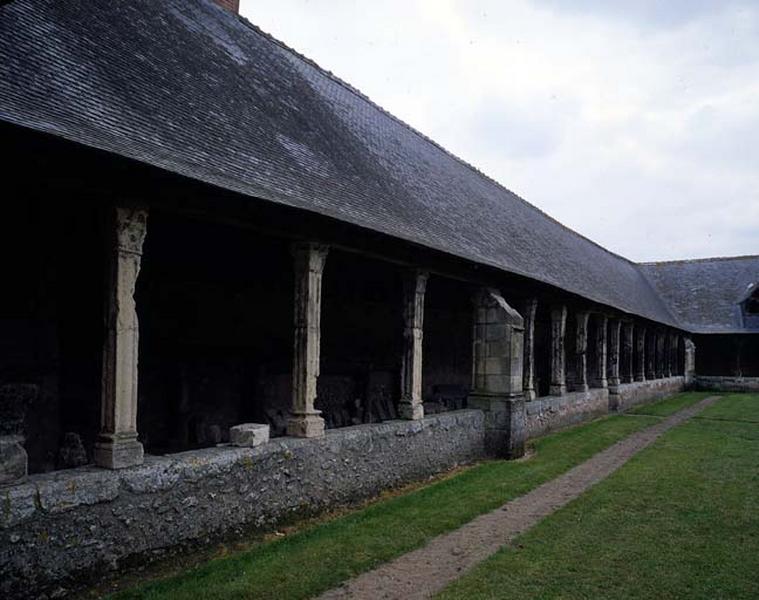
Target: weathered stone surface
[(71, 453), (305, 420), (528, 370), (13, 459), (90, 519), (557, 412), (641, 392), (410, 403), (558, 353), (727, 383), (249, 434), (117, 446), (62, 490)]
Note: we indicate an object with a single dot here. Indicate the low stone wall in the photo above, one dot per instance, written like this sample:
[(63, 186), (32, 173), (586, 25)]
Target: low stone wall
[(557, 412), (69, 523), (641, 392), (717, 383)]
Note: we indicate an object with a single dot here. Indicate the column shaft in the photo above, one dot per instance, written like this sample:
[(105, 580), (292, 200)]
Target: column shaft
[(558, 354), (410, 406), (581, 352), (614, 352), (627, 368), (640, 367), (117, 445), (530, 310), (600, 342), (305, 420)]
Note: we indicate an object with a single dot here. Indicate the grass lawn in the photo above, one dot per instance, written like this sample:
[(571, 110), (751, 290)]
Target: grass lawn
[(322, 556), (680, 520), (671, 405)]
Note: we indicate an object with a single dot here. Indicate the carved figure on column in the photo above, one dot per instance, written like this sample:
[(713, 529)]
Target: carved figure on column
[(305, 420), (414, 286), (558, 354), (117, 445)]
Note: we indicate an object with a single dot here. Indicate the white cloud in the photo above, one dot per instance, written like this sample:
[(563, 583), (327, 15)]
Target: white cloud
[(634, 123)]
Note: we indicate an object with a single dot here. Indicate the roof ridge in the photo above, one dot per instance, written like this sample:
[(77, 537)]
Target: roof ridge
[(696, 260), (244, 20)]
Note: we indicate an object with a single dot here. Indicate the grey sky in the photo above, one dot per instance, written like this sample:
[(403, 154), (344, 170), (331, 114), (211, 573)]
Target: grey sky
[(636, 123)]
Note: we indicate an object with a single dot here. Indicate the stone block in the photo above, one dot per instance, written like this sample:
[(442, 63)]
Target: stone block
[(13, 459), (249, 434)]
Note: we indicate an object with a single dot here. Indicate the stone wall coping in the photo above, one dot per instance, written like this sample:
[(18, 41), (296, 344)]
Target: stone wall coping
[(59, 491)]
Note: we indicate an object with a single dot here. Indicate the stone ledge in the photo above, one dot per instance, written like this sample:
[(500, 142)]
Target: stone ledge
[(60, 491), (726, 383)]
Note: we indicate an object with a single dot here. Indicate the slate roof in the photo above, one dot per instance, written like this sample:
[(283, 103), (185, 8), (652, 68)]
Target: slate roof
[(196, 90), (705, 294)]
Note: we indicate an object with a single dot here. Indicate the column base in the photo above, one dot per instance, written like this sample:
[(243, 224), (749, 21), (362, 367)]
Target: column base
[(505, 428), (305, 425), (558, 389), (118, 451), (412, 412)]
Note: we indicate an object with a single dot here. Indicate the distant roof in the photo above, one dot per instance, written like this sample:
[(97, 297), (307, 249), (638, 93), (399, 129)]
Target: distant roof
[(193, 89), (705, 294)]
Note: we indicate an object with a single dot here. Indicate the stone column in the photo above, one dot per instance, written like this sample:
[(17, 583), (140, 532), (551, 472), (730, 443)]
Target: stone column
[(627, 366), (659, 354), (305, 420), (651, 355), (414, 286), (117, 445), (600, 381), (497, 373), (581, 353), (558, 355), (528, 376), (690, 361), (673, 351), (640, 366), (614, 350)]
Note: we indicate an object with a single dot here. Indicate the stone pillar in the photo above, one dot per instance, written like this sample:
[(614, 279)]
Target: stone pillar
[(615, 327), (600, 341), (667, 366), (558, 355), (651, 355), (414, 286), (117, 445), (640, 366), (305, 420), (627, 366), (659, 354), (690, 361), (581, 353), (528, 376), (497, 373), (674, 366)]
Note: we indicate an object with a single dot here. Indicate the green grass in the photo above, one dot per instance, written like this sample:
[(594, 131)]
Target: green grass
[(734, 407), (680, 520), (322, 556), (671, 405)]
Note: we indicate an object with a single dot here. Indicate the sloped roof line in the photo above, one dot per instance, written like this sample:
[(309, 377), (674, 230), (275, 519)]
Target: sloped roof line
[(418, 133)]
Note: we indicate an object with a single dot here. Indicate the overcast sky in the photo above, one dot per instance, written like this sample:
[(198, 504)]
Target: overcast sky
[(636, 123)]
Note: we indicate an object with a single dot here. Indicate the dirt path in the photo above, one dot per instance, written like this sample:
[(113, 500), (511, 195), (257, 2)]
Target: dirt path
[(426, 571)]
